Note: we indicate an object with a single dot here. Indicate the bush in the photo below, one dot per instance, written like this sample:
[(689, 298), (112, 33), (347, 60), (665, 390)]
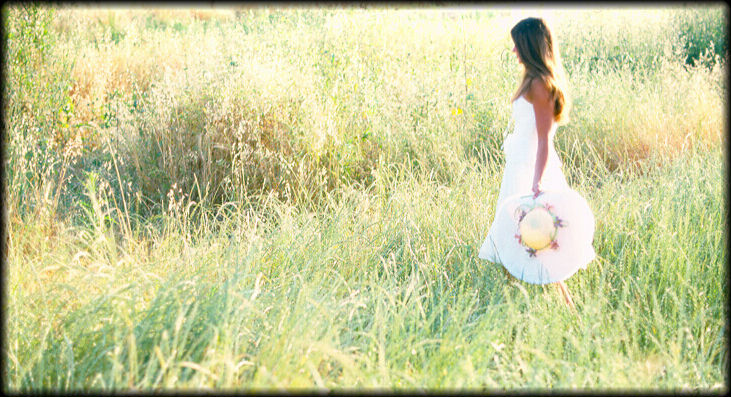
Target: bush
[(703, 32), (38, 112)]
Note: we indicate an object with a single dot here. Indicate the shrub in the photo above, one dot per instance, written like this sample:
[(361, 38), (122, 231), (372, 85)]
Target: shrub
[(702, 33)]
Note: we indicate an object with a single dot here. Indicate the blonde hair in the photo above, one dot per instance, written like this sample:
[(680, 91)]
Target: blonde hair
[(539, 54)]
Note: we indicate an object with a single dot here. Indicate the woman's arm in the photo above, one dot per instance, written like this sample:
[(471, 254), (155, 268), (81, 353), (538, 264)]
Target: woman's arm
[(540, 97)]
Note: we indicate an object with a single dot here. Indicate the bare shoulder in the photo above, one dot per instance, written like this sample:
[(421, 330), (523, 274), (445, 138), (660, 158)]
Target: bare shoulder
[(538, 93)]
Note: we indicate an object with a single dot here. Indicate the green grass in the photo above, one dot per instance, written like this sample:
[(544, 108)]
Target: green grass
[(304, 209)]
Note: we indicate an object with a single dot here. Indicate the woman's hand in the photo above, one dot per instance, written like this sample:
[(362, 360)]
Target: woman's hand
[(536, 189)]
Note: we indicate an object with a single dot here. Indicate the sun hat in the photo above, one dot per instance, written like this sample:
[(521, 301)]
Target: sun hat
[(542, 239)]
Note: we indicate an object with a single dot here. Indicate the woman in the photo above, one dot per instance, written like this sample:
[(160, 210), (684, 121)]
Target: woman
[(533, 168)]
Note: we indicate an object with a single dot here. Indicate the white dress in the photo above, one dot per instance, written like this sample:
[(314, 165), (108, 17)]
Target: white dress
[(574, 250)]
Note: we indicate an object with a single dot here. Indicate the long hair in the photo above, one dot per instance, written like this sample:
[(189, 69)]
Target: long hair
[(539, 53)]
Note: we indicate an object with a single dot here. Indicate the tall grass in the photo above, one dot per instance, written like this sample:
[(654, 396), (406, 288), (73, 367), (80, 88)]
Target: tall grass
[(384, 290), (262, 198)]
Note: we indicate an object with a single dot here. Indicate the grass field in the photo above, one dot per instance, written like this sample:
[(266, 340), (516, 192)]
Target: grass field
[(257, 198)]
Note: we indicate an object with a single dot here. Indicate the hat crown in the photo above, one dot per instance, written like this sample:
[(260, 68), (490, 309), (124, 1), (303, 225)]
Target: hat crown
[(537, 228)]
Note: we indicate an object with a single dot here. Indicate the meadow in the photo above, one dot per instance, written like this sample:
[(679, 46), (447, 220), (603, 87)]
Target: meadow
[(260, 198)]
